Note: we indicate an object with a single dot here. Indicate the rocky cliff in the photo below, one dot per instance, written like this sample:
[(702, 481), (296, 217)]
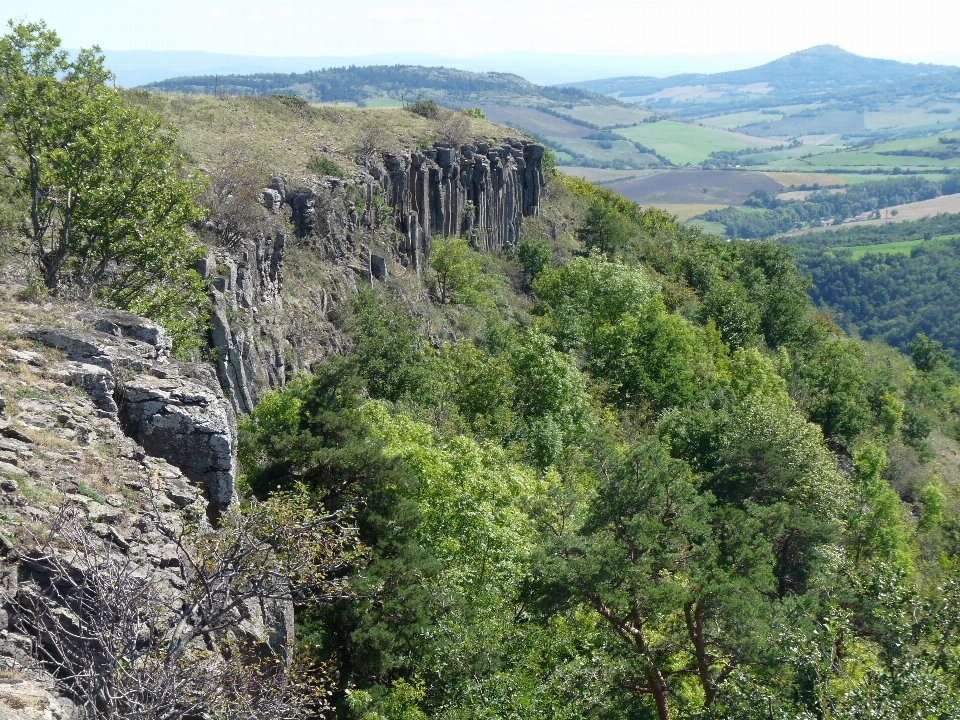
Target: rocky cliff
[(100, 427), (363, 229)]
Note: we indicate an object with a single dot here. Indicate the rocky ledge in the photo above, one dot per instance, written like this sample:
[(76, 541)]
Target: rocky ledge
[(99, 425)]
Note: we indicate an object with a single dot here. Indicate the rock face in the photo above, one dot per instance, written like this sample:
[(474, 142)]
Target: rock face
[(475, 190), (110, 428), (175, 411), (187, 425), (364, 229), (248, 356)]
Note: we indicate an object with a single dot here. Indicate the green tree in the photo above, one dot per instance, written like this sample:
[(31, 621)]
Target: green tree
[(109, 199), (533, 255), (313, 434), (458, 272), (604, 228), (928, 354), (681, 583), (387, 346), (875, 524)]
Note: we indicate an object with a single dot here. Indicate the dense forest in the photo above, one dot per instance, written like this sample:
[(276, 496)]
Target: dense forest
[(889, 295), (625, 472), (669, 490), (767, 215)]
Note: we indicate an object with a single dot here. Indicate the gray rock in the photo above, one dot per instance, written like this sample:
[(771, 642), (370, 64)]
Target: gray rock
[(271, 199), (187, 425), (76, 345), (378, 267), (128, 325), (12, 470), (95, 380)]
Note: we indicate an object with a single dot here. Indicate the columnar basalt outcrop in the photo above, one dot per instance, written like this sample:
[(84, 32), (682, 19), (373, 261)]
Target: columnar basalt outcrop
[(477, 190), (363, 229)]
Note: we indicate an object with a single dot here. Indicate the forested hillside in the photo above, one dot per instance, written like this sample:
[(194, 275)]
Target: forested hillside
[(890, 282), (356, 84), (608, 467), (669, 490)]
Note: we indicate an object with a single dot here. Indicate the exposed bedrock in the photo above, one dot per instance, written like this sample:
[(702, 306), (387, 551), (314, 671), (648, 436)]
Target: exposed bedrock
[(379, 222), (175, 411)]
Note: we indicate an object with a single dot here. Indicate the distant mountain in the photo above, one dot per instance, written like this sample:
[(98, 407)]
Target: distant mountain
[(139, 67), (359, 84), (824, 67)]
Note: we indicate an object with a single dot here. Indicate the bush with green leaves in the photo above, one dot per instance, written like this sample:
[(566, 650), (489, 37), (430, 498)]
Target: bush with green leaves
[(322, 165), (429, 109), (457, 272)]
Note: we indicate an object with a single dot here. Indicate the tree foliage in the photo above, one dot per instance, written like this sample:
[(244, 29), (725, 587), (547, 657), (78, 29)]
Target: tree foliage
[(109, 199)]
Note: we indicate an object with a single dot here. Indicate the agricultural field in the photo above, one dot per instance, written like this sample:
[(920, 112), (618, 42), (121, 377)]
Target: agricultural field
[(804, 194), (810, 123), (684, 143), (708, 188), (907, 114), (903, 247), (789, 153), (605, 116), (895, 248), (603, 175), (740, 119), (710, 228), (897, 214), (534, 121), (687, 211), (618, 152), (796, 179), (869, 159), (856, 178)]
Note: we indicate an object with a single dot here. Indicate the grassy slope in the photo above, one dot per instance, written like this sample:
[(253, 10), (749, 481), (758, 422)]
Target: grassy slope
[(282, 138)]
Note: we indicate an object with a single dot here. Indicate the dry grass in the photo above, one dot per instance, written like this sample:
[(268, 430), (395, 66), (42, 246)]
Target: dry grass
[(284, 136)]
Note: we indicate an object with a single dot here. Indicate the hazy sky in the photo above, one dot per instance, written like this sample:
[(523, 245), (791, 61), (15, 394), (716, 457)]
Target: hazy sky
[(911, 30)]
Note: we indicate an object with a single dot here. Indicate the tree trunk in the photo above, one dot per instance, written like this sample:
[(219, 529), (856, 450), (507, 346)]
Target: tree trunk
[(660, 692)]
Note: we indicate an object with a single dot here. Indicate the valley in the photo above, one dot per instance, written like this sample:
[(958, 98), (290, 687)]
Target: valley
[(409, 393)]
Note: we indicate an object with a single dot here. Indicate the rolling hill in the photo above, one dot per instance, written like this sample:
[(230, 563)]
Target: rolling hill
[(824, 67), (383, 82)]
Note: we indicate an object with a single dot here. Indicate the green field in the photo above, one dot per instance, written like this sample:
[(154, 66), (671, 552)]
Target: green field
[(735, 120), (620, 150), (857, 178), (685, 143), (382, 103), (895, 248), (710, 228), (789, 153), (604, 115)]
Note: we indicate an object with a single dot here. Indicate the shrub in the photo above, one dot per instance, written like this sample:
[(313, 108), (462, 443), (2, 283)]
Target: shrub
[(324, 166), (424, 108)]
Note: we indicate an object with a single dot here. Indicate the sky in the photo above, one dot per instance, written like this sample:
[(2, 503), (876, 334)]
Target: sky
[(661, 36)]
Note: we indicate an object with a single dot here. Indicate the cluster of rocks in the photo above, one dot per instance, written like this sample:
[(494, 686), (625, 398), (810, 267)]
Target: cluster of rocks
[(175, 411), (98, 420)]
